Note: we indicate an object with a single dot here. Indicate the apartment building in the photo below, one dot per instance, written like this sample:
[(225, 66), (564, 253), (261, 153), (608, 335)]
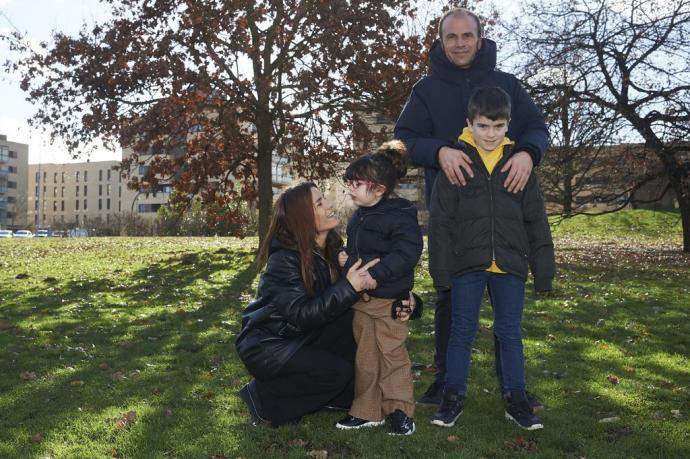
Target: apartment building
[(71, 195), (14, 162)]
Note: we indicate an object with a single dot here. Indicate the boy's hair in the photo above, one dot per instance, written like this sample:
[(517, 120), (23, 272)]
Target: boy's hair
[(491, 102), (385, 166)]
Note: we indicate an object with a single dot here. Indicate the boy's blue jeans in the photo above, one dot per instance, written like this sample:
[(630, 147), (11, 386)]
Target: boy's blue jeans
[(467, 293)]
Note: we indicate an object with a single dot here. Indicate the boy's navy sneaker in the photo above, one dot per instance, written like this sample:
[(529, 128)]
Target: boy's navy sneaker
[(401, 424), (433, 394), (351, 422), (250, 397), (450, 409), (520, 411)]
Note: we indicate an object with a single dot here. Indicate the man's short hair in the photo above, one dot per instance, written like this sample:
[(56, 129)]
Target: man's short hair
[(491, 102), (458, 13)]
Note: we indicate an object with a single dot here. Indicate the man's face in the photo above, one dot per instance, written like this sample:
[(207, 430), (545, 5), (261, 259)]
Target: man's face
[(460, 40), (488, 133)]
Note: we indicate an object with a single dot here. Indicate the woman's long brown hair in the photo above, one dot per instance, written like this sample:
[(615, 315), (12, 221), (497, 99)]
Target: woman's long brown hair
[(294, 225)]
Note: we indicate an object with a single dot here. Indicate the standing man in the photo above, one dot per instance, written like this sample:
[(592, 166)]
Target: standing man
[(433, 118)]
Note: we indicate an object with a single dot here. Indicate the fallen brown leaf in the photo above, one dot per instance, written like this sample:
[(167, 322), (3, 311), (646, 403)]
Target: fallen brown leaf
[(104, 366), (452, 438), (76, 382), (37, 438), (118, 376), (613, 379), (318, 453), (126, 420), (520, 444), (296, 442), (27, 375)]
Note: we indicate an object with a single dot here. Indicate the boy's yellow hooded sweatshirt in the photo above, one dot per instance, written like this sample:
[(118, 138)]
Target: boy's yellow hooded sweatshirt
[(490, 159)]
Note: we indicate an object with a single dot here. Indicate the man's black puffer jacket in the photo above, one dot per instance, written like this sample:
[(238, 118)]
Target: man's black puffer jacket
[(284, 316), (473, 224)]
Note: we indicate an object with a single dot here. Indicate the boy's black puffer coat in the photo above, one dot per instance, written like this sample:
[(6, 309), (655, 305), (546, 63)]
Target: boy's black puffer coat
[(473, 224), (389, 231), (284, 316)]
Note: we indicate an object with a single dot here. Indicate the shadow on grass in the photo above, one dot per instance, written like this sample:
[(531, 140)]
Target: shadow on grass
[(158, 341)]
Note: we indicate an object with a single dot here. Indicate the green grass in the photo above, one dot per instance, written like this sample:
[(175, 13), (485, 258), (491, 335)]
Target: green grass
[(113, 325)]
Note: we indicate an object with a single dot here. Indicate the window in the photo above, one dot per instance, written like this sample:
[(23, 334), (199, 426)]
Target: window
[(100, 190), (54, 177), (62, 206), (11, 199), (100, 175), (119, 206), (3, 153), (86, 176), (107, 204), (76, 204), (84, 204), (77, 191), (12, 169), (11, 184), (36, 190), (54, 206), (100, 204), (55, 192), (44, 190), (76, 176), (143, 169), (149, 208), (44, 175), (108, 174), (38, 176), (62, 192), (36, 204), (108, 190), (63, 177), (85, 190), (12, 154), (119, 191)]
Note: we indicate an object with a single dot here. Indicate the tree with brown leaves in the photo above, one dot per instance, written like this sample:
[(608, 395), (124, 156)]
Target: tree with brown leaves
[(207, 92)]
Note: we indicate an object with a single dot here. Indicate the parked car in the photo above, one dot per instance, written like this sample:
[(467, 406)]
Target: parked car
[(23, 233), (5, 233), (42, 233), (58, 233)]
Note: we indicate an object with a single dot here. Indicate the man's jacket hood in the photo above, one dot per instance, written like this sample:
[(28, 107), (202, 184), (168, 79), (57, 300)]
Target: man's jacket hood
[(483, 63)]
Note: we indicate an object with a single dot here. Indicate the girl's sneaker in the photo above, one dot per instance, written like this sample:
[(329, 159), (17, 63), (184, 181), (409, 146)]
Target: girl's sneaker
[(401, 424), (520, 411), (351, 422)]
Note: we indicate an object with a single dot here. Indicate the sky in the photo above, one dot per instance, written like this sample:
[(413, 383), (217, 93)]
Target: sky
[(37, 19)]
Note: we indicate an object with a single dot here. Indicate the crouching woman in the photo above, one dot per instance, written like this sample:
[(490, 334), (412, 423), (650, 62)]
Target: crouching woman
[(296, 338)]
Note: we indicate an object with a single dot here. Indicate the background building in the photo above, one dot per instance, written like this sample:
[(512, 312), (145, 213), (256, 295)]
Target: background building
[(14, 161), (72, 195)]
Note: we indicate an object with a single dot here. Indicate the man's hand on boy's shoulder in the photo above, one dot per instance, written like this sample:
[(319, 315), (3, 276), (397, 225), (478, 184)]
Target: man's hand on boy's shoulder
[(452, 162), (519, 167)]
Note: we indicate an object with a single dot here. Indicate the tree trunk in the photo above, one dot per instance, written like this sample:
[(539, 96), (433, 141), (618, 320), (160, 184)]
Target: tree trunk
[(264, 174), (568, 189), (684, 207)]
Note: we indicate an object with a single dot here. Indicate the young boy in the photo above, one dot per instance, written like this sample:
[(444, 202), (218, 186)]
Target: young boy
[(483, 236)]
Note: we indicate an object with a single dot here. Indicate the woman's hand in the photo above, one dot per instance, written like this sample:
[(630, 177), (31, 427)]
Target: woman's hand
[(359, 276)]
